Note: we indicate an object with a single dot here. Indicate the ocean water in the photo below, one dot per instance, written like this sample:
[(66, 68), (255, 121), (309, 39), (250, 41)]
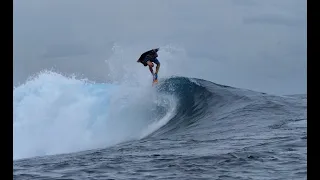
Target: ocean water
[(184, 128)]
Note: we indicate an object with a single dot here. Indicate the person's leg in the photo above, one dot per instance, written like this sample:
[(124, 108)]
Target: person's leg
[(150, 64), (157, 68), (158, 65)]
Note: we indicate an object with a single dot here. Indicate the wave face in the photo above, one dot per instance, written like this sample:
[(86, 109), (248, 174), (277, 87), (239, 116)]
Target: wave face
[(55, 114), (218, 108)]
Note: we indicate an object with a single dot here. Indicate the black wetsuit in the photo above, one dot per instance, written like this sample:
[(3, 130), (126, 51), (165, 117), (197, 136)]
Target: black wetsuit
[(149, 56)]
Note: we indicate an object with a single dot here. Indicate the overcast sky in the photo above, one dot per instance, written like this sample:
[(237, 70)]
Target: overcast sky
[(252, 44)]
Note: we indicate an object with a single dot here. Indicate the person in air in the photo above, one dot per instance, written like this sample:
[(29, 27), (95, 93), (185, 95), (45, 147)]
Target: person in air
[(148, 58)]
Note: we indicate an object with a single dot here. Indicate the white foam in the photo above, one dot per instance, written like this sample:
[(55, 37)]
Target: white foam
[(56, 114)]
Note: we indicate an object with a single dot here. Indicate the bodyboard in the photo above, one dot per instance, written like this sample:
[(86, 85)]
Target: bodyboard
[(155, 82)]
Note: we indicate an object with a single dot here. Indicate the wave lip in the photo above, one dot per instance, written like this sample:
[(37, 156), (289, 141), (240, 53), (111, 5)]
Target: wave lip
[(193, 103)]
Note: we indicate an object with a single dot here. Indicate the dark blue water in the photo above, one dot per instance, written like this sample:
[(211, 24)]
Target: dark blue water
[(217, 132)]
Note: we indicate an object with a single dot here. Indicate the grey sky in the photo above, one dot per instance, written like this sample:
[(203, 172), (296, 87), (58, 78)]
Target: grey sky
[(258, 45)]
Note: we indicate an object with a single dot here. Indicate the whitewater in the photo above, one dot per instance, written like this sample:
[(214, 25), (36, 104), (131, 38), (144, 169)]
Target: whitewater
[(66, 127), (56, 113)]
